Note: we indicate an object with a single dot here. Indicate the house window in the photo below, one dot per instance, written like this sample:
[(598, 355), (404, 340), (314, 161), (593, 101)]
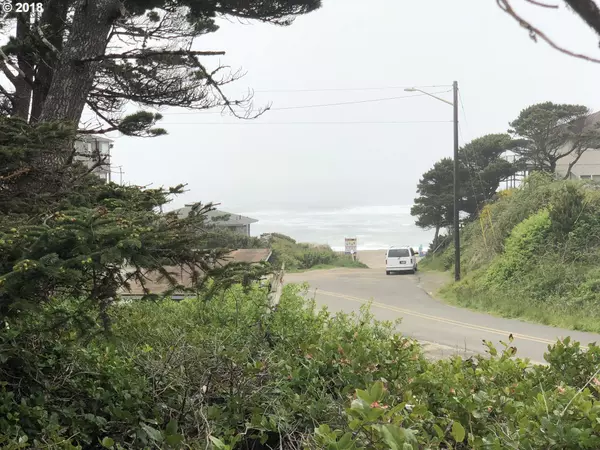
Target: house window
[(590, 177)]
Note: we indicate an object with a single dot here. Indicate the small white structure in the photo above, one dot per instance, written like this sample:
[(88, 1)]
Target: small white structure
[(95, 150)]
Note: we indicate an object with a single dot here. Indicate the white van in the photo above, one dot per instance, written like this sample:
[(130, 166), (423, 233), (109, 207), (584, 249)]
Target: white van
[(400, 259)]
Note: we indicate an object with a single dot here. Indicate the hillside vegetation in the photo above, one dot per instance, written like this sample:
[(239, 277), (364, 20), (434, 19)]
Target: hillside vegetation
[(298, 256), (533, 253)]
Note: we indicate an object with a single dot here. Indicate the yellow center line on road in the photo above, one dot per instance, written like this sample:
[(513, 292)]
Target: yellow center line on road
[(438, 319)]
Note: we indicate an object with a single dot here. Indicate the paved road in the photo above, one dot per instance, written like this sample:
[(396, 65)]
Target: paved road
[(446, 329)]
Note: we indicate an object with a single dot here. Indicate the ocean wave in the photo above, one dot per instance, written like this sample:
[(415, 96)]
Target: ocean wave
[(381, 210)]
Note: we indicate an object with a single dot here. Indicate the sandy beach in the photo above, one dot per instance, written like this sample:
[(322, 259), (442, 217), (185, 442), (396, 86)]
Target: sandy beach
[(375, 259)]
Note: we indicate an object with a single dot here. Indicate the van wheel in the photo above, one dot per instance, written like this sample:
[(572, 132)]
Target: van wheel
[(416, 268), (412, 272), (387, 272)]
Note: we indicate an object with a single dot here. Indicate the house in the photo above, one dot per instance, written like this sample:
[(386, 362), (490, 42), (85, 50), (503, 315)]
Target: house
[(584, 166), (587, 167), (93, 150), (234, 222)]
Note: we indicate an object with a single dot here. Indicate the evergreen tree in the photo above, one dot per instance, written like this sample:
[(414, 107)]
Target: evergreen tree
[(484, 169), (481, 170), (552, 132), (108, 53), (435, 205), (78, 238)]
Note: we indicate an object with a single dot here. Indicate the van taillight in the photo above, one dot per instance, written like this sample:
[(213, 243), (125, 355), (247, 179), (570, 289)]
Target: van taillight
[(386, 261)]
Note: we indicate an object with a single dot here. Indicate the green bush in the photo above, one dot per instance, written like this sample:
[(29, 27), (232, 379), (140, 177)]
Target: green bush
[(496, 402), (298, 256), (527, 241), (235, 373), (175, 373)]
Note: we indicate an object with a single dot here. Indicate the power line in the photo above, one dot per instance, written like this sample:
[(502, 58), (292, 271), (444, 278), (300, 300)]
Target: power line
[(382, 88), (462, 106), (355, 102), (321, 105), (254, 123)]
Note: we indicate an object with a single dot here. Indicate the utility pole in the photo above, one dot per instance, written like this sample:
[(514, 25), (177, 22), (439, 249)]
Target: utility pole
[(456, 188), (454, 105)]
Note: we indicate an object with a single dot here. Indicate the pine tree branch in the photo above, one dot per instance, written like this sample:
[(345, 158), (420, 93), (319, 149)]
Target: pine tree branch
[(543, 5), (535, 32), (10, 97), (228, 103), (152, 54), (46, 41), (588, 10), (6, 71), (98, 130), (7, 62), (113, 125)]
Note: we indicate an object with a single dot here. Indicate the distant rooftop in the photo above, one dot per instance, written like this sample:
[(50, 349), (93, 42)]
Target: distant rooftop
[(249, 255), (215, 217), (156, 284), (93, 137)]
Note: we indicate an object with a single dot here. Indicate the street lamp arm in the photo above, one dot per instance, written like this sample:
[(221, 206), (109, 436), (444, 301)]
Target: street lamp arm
[(431, 95)]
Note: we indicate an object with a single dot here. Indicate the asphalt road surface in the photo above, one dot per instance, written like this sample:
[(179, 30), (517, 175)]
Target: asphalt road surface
[(444, 329)]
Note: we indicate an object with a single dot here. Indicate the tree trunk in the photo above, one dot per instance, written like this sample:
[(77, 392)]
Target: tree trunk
[(74, 76), (52, 23), (25, 63), (572, 163), (437, 233)]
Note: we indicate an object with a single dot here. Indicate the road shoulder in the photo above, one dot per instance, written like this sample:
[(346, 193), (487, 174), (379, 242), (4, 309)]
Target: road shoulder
[(432, 281)]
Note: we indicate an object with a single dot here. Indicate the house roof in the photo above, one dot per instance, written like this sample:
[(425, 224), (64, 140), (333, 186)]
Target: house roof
[(249, 255), (592, 119), (156, 285), (233, 220), (93, 137)]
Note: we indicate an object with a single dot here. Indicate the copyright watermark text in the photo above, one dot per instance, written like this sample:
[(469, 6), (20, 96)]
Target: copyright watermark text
[(19, 7)]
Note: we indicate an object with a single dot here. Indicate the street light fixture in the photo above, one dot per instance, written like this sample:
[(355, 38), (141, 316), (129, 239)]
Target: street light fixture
[(456, 173)]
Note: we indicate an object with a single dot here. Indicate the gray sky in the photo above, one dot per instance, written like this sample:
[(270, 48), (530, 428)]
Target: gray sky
[(347, 45)]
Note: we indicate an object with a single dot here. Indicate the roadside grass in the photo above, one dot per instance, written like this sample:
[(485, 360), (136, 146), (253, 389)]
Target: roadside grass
[(342, 263), (516, 308), (436, 263), (515, 304)]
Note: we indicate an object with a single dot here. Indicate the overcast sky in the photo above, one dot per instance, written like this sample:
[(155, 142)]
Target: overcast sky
[(353, 44)]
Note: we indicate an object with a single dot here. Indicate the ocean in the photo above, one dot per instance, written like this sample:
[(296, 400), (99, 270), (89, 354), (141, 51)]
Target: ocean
[(374, 227)]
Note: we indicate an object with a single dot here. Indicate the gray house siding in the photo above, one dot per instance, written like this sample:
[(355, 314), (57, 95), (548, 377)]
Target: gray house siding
[(234, 222)]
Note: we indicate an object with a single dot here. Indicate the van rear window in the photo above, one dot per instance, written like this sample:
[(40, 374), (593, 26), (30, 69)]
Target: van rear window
[(398, 253)]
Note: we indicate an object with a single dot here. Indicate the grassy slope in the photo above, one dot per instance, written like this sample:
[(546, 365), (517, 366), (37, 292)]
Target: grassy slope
[(534, 255)]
